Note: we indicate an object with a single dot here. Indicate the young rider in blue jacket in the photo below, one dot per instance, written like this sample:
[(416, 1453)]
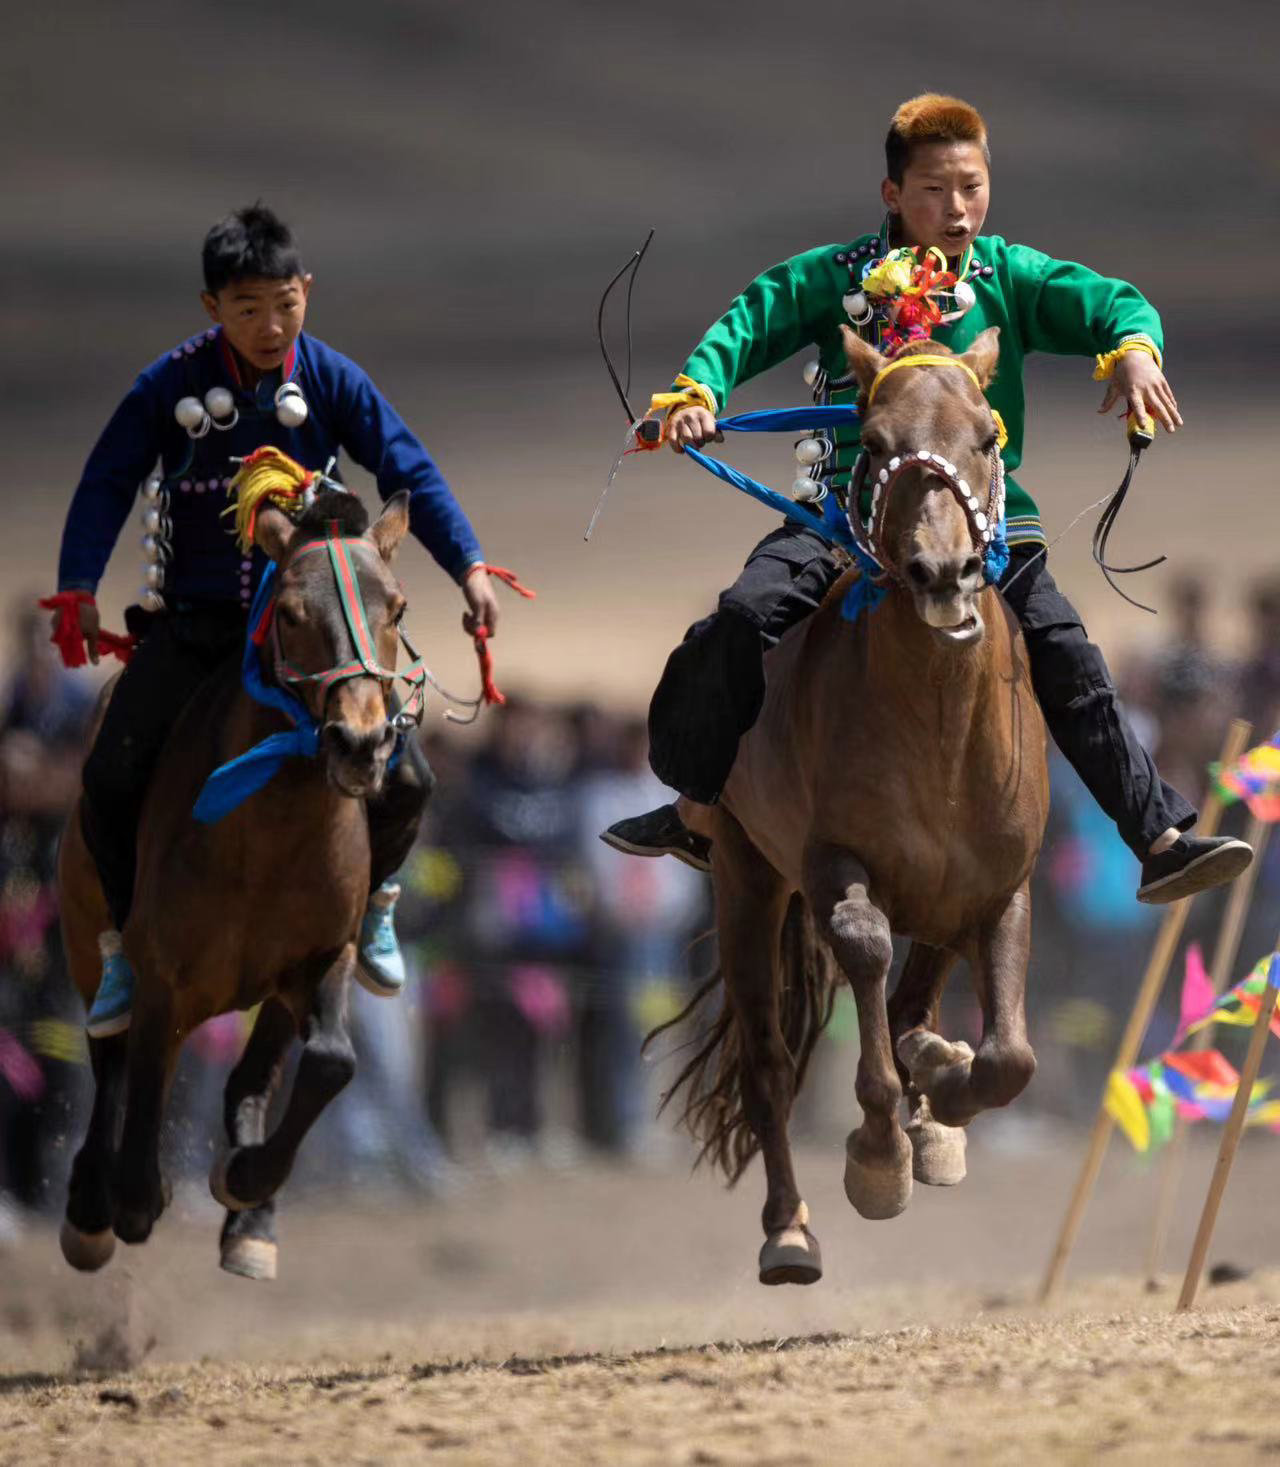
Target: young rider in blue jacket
[(253, 378)]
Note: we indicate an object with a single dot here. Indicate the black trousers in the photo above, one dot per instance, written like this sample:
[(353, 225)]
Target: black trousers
[(178, 651), (713, 687)]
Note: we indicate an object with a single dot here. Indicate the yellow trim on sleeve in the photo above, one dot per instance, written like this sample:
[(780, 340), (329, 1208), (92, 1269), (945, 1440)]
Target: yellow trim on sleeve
[(1106, 367), (688, 394)]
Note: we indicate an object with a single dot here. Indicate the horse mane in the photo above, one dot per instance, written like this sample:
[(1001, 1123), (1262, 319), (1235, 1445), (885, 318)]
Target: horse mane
[(334, 506)]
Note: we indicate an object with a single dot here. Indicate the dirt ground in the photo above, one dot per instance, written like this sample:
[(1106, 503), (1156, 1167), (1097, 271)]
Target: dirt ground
[(603, 1315)]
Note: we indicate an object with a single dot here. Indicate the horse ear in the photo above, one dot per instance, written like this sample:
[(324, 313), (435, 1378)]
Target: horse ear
[(272, 531), (390, 527), (864, 360), (983, 355)]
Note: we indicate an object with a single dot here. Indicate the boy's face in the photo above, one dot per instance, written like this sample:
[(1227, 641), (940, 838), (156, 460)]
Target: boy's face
[(943, 197), (261, 318)]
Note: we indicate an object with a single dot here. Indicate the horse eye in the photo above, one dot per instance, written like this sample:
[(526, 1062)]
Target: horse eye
[(874, 444), (398, 617), (988, 443)]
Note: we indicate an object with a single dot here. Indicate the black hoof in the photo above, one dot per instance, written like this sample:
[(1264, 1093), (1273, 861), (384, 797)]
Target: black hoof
[(131, 1226)]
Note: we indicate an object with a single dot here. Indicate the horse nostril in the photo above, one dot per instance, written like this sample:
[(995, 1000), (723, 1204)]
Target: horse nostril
[(971, 569), (919, 574)]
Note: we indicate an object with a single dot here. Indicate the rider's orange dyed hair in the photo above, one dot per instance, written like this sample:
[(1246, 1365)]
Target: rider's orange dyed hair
[(931, 118)]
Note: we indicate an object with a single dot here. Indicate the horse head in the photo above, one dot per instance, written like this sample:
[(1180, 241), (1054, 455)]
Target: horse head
[(325, 604), (928, 435)]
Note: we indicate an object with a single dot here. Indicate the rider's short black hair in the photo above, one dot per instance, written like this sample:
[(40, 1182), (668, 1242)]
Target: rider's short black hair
[(251, 244)]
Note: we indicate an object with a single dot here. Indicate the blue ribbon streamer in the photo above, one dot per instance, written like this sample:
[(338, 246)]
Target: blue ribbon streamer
[(230, 785), (830, 523)]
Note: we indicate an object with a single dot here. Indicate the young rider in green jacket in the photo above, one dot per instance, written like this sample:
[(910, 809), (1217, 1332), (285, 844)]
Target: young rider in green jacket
[(936, 194)]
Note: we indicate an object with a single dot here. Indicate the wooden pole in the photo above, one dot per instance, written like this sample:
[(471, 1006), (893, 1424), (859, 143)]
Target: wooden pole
[(1231, 1134), (1224, 960), (1166, 945)]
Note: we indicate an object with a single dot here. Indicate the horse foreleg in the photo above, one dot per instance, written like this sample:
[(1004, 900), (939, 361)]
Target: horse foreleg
[(957, 1082), (153, 1053), (937, 1151), (248, 1241), (251, 1174), (751, 902), (877, 1174), (86, 1237)]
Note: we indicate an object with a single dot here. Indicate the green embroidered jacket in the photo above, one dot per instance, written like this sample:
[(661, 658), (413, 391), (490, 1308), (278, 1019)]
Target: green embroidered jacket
[(1039, 304)]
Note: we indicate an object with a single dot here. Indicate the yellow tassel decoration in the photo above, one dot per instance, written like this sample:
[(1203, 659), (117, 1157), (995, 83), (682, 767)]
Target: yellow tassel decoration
[(267, 474)]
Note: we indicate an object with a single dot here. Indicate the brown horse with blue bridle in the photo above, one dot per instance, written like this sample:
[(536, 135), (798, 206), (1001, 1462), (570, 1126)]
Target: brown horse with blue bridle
[(894, 783), (257, 902)]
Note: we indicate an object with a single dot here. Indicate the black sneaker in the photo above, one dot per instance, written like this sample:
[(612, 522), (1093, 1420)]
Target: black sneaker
[(1191, 864), (660, 833)]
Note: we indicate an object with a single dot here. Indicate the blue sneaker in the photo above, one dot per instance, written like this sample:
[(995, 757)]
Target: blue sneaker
[(113, 1003), (380, 966)]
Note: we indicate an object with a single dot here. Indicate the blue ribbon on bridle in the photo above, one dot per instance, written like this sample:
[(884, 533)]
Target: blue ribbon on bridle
[(230, 785), (827, 520)]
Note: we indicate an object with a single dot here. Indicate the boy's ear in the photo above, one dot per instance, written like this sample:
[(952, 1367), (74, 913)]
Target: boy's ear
[(864, 360), (390, 527), (210, 304), (272, 531), (983, 356)]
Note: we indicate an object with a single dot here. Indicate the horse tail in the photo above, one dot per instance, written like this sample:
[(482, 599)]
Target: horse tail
[(711, 1080)]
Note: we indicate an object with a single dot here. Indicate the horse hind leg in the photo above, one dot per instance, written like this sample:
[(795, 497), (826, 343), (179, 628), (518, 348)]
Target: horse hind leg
[(86, 1237), (140, 1194), (937, 1151), (751, 907), (247, 1244), (249, 1175), (958, 1083), (877, 1177)]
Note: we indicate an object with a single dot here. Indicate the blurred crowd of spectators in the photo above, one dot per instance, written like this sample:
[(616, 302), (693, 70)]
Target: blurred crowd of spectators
[(539, 958)]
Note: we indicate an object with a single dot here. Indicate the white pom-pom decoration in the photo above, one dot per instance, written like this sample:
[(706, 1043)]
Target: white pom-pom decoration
[(811, 370), (963, 296)]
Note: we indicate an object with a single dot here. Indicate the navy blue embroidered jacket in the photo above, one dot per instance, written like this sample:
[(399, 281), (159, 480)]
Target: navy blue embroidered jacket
[(346, 412)]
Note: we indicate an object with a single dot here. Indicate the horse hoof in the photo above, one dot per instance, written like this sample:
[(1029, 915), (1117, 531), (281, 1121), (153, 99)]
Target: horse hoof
[(131, 1226), (937, 1153), (218, 1183), (926, 1054), (251, 1258), (877, 1192), (87, 1252), (791, 1255)]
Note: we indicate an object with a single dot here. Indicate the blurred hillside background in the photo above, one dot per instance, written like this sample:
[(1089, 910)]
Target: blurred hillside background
[(465, 179)]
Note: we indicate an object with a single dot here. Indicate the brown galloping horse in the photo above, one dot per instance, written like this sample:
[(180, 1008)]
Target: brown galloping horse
[(894, 783), (263, 907)]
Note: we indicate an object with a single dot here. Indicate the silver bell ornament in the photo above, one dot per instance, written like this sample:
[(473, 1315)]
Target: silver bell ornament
[(811, 370), (291, 406), (153, 576), (221, 405), (151, 600), (151, 488), (191, 415), (806, 490), (857, 307), (811, 451)]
